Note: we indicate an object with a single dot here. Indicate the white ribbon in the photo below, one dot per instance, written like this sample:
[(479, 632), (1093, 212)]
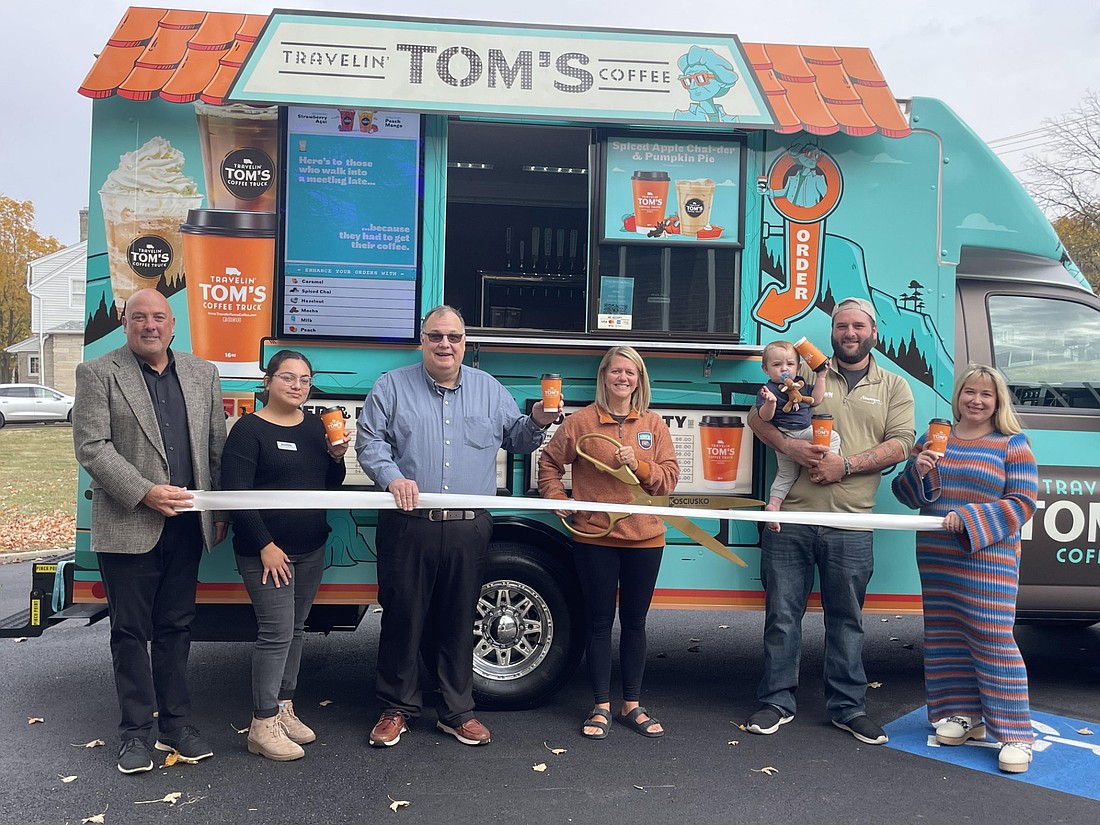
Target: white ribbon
[(367, 500)]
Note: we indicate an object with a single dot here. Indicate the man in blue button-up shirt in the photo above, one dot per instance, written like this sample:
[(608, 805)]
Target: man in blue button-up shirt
[(436, 427)]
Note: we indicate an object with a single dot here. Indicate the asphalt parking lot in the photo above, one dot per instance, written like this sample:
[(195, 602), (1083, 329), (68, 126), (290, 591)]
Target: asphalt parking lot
[(704, 770)]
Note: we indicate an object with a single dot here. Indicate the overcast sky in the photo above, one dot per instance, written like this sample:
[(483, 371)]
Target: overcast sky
[(1003, 65)]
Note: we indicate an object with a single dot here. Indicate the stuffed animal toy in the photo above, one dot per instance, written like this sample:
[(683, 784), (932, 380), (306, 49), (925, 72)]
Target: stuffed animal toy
[(790, 388)]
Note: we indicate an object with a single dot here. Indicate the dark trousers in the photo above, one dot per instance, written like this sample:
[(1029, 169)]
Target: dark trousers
[(429, 580), (632, 573), (151, 601)]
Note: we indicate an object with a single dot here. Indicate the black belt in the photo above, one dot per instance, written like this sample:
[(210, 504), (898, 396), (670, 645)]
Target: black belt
[(444, 515)]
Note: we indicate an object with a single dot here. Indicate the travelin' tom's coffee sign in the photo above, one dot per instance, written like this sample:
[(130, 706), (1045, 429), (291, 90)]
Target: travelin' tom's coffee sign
[(451, 66)]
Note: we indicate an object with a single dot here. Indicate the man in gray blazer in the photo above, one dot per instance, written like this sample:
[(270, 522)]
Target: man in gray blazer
[(148, 426)]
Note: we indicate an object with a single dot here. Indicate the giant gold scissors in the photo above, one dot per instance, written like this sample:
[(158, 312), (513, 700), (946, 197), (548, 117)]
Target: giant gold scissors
[(685, 526)]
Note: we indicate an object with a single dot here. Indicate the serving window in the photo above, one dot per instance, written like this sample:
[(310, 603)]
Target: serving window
[(554, 229)]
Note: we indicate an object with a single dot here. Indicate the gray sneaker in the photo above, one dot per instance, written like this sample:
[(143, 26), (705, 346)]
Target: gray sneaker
[(134, 756), (767, 720), (863, 729)]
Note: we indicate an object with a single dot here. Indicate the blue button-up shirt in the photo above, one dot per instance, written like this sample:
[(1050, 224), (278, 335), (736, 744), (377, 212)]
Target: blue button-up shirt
[(444, 439)]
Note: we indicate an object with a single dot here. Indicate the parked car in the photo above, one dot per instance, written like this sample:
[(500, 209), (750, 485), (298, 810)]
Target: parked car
[(31, 402)]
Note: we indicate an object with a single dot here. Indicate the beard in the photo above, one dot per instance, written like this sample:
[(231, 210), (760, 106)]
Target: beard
[(861, 352)]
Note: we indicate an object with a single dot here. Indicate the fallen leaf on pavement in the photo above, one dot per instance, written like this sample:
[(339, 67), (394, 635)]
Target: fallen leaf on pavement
[(378, 610), (1084, 731), (326, 703), (908, 646), (733, 742), (740, 725), (34, 720), (769, 770), (874, 684), (94, 820), (894, 639), (95, 743), (693, 649), (555, 751), (540, 767), (169, 799), (239, 730), (695, 640), (639, 787), (723, 627), (884, 621), (67, 779), (20, 639), (395, 804), (171, 759)]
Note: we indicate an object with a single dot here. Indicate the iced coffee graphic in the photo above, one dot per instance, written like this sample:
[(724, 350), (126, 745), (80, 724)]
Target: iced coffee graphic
[(240, 146), (230, 261), (144, 202), (695, 198)]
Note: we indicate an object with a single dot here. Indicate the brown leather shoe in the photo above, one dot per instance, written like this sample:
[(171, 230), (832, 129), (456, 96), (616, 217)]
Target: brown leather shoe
[(470, 732), (387, 731)]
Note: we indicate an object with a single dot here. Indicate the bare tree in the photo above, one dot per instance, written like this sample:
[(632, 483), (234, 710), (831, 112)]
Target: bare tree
[(1065, 182)]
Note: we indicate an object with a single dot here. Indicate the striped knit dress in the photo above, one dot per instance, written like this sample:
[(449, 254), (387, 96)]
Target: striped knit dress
[(972, 666)]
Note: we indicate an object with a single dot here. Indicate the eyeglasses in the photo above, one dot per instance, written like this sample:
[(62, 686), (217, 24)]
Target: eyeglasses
[(436, 337), (292, 379), (699, 79)]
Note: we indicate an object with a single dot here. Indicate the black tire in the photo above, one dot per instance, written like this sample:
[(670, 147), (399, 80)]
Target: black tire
[(2, 421), (525, 587), (69, 416)]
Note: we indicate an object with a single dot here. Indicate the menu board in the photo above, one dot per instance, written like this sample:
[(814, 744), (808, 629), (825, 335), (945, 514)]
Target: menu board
[(350, 252)]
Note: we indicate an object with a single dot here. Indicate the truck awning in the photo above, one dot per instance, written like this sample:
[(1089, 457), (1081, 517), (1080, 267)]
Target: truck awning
[(183, 56)]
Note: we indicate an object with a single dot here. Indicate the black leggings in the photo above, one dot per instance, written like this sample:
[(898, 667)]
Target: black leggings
[(633, 572)]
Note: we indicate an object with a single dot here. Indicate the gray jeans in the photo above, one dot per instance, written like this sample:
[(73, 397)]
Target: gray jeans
[(280, 616)]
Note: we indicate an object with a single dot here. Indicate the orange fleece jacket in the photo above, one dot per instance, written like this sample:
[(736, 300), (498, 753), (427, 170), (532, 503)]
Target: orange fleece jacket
[(657, 470)]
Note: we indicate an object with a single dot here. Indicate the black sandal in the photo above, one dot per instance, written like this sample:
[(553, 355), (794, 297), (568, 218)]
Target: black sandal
[(592, 722), (644, 728)]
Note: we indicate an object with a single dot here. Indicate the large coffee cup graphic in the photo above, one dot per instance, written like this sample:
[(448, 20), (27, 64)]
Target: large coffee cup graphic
[(229, 259), (650, 190), (695, 199), (720, 441)]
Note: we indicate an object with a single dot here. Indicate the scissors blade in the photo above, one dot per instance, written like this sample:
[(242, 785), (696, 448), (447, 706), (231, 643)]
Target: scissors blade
[(713, 502), (694, 531)]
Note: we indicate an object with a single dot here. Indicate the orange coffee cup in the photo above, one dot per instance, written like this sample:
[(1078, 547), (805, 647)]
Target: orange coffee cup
[(333, 419), (939, 430), (813, 357), (720, 439), (823, 429), (650, 190), (229, 267), (551, 391)]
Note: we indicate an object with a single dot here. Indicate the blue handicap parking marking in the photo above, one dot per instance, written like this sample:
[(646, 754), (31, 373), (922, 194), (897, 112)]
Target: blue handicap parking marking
[(1064, 760)]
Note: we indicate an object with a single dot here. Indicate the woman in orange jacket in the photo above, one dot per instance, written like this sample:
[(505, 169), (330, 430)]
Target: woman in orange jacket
[(628, 558)]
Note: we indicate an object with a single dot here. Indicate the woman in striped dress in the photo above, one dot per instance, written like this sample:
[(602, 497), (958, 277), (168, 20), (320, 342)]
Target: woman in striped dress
[(984, 487)]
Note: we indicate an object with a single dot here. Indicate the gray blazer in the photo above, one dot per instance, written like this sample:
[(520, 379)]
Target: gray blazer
[(118, 442)]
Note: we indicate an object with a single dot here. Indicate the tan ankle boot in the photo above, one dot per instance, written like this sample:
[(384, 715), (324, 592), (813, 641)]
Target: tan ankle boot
[(296, 729), (267, 737)]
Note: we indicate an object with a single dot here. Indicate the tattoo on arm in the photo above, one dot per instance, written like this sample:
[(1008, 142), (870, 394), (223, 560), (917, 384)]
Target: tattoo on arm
[(879, 456)]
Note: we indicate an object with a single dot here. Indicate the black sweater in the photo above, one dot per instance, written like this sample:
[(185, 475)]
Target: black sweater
[(254, 460)]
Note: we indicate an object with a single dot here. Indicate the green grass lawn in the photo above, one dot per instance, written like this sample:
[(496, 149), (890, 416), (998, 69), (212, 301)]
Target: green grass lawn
[(37, 487)]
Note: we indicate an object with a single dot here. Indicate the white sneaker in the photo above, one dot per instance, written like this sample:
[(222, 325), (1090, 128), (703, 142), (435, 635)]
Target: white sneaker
[(1014, 757), (955, 730)]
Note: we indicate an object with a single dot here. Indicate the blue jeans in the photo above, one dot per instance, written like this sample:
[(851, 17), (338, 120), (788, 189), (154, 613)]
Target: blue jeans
[(280, 618), (845, 561)]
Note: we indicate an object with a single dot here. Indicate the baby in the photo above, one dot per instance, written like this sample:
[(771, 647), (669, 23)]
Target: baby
[(780, 362)]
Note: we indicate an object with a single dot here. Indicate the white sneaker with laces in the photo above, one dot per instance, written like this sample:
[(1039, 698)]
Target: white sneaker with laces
[(955, 730), (1014, 757)]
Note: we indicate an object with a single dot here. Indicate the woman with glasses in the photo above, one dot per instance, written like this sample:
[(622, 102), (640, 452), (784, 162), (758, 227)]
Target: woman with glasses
[(280, 552)]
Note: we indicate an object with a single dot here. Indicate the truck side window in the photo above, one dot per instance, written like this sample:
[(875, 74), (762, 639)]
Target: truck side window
[(1048, 349)]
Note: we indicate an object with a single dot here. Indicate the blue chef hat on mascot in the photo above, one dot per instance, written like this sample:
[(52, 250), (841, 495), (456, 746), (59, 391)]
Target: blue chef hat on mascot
[(705, 73)]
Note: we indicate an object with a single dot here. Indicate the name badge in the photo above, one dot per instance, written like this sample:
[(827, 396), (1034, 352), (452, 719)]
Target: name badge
[(287, 445)]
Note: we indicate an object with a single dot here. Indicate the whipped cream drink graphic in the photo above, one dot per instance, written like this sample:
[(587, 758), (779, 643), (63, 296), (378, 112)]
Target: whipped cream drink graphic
[(144, 202)]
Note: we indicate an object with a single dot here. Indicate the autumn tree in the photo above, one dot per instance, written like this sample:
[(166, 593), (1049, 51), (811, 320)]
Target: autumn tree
[(1065, 181), (19, 245)]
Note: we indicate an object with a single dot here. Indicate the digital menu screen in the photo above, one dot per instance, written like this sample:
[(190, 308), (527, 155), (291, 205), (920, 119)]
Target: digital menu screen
[(350, 252)]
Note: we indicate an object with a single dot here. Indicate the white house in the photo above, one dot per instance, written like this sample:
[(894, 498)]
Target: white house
[(56, 285)]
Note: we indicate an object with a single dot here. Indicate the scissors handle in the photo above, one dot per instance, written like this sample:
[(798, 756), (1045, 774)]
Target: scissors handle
[(623, 474)]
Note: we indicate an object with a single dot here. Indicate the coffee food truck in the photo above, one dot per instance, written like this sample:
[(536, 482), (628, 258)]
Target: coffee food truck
[(318, 181)]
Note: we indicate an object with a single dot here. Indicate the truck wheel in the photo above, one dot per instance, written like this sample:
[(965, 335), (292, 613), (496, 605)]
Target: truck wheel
[(528, 632)]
